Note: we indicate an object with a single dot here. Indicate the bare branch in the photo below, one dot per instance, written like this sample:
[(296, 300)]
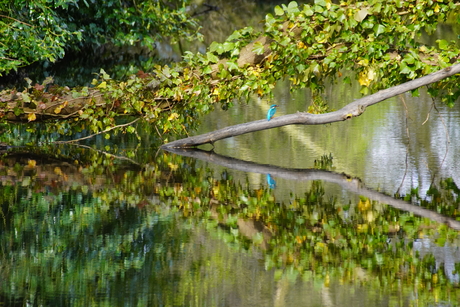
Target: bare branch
[(25, 23), (92, 135)]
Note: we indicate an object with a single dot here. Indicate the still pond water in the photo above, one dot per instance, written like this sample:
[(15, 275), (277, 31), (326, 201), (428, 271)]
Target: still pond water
[(374, 226), (211, 231)]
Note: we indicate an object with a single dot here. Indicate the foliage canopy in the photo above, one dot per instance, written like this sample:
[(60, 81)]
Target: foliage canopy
[(43, 30)]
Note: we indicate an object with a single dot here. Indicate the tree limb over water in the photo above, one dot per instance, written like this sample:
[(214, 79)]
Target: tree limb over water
[(347, 182), (353, 109)]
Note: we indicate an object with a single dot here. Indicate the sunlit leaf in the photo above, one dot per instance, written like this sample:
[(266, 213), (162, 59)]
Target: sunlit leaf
[(361, 14), (279, 11), (31, 163), (173, 116), (59, 108), (366, 77), (292, 8), (31, 117), (443, 44), (25, 97), (379, 29), (232, 66), (258, 48)]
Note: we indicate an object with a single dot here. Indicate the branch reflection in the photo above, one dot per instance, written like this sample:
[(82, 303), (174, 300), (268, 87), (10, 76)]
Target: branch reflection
[(346, 182)]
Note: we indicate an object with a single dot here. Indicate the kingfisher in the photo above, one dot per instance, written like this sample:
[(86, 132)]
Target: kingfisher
[(271, 182), (271, 111)]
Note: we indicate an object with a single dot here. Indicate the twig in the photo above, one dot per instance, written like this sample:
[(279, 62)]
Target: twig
[(428, 115), (407, 150), (92, 135), (107, 153), (445, 128), (4, 16)]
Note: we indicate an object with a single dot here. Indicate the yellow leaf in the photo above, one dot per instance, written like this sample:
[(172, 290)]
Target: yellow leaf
[(364, 205), (173, 166), (102, 85), (364, 62), (173, 116), (186, 74), (31, 117), (362, 79), (58, 171), (260, 92), (58, 109), (366, 77), (31, 163)]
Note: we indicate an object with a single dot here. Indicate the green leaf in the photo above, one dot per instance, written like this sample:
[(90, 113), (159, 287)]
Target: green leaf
[(258, 48), (18, 111), (166, 71), (232, 66), (321, 3), (361, 14), (212, 58), (216, 47), (269, 20), (379, 29), (292, 8), (207, 70), (405, 69), (223, 74), (228, 46), (279, 11), (25, 97), (308, 11), (409, 59), (234, 36), (443, 44)]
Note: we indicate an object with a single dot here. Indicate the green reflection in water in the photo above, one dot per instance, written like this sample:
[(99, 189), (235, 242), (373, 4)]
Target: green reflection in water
[(174, 234)]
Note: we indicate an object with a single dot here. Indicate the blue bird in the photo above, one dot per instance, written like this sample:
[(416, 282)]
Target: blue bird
[(271, 182), (271, 111)]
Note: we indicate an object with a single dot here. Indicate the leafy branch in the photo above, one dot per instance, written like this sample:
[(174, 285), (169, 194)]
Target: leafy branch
[(309, 44)]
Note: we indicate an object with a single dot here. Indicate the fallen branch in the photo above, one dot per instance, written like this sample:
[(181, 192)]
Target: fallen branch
[(356, 108)]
